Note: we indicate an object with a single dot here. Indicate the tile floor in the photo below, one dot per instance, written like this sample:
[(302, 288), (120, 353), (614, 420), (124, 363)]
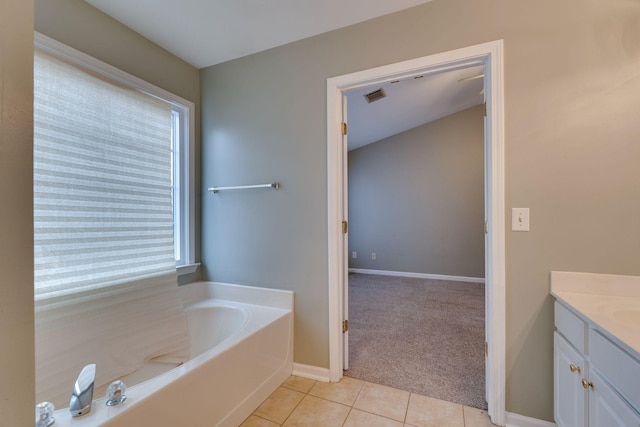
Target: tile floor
[(356, 403)]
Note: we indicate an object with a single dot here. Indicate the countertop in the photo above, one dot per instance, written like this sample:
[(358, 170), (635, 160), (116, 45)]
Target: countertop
[(610, 302)]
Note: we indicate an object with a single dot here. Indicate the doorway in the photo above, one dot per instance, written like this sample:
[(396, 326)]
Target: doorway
[(488, 55), (416, 202)]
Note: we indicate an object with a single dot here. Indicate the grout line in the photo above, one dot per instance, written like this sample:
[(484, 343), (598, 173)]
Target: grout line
[(358, 394), (406, 412), (295, 407), (345, 420), (464, 421), (262, 418)]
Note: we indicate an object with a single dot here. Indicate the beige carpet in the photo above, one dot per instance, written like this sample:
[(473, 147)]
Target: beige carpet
[(420, 335)]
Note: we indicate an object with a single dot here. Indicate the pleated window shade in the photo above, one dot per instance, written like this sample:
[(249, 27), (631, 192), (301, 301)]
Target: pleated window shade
[(105, 275)]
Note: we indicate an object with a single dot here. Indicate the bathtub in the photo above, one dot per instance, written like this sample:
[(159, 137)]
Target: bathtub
[(241, 351)]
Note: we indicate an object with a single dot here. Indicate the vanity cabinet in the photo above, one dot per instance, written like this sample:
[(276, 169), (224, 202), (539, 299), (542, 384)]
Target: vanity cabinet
[(606, 408), (570, 399), (569, 369), (596, 381)]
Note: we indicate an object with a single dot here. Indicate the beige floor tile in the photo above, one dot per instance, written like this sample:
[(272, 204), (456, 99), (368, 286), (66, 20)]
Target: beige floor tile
[(254, 421), (382, 400), (316, 412), (279, 405), (429, 412), (358, 418), (299, 383), (344, 392), (474, 417)]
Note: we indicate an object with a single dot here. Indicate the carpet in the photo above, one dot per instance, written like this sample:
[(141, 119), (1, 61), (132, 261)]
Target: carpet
[(420, 335)]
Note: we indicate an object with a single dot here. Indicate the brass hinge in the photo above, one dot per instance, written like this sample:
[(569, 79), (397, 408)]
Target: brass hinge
[(344, 128), (485, 109), (486, 348), (345, 227), (345, 326)]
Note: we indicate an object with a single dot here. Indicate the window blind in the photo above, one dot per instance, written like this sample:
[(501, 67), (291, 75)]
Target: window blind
[(105, 276)]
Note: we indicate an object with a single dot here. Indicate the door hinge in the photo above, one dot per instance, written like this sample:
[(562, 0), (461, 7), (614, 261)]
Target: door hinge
[(345, 326), (344, 128), (485, 109), (486, 348), (345, 227), (486, 227)]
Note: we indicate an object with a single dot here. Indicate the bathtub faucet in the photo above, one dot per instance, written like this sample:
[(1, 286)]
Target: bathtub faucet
[(82, 394)]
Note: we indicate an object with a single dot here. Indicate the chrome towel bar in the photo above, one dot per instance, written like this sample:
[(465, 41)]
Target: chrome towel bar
[(275, 185)]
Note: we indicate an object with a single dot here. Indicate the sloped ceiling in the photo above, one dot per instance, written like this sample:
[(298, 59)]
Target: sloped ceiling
[(410, 103)]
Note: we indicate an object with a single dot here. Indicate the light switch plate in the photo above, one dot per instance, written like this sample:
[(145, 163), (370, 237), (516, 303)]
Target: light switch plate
[(520, 219)]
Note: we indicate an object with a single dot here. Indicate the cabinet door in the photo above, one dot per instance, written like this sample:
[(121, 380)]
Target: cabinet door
[(570, 397), (606, 408)]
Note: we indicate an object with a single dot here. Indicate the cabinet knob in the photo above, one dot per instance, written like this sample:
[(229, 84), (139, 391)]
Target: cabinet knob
[(587, 384), (574, 368)]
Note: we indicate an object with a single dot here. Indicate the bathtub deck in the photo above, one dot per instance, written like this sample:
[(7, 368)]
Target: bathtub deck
[(256, 358)]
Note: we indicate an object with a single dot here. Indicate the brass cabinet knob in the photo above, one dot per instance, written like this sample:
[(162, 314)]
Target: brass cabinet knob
[(586, 384), (574, 368)]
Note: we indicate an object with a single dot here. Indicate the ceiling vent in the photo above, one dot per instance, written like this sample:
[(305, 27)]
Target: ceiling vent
[(375, 95)]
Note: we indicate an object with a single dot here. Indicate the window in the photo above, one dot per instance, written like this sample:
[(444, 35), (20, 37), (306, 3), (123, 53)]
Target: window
[(112, 219), (183, 187), (182, 137)]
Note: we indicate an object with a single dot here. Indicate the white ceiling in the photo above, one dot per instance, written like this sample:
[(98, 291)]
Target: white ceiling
[(410, 103), (208, 32)]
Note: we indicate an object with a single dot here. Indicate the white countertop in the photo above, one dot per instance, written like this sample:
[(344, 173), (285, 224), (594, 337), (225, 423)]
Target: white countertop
[(611, 302)]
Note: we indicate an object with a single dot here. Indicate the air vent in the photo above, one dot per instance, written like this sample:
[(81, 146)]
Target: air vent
[(375, 95)]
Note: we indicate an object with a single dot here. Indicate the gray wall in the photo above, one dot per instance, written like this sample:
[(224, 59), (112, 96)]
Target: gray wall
[(17, 397), (571, 156), (83, 27), (416, 199)]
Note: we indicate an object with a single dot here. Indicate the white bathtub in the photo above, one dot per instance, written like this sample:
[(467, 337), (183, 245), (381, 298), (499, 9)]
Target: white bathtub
[(241, 351)]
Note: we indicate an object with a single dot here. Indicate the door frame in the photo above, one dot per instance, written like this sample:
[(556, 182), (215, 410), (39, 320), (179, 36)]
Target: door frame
[(491, 56)]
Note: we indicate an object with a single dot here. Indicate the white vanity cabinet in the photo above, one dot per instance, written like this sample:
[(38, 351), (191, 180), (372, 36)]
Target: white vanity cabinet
[(596, 380), (606, 408), (569, 368), (570, 399)]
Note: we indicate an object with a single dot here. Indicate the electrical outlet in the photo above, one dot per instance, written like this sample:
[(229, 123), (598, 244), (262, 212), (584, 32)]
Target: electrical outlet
[(373, 255), (354, 255)]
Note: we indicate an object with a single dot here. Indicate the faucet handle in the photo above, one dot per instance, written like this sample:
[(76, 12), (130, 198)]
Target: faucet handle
[(44, 414), (115, 393), (82, 394)]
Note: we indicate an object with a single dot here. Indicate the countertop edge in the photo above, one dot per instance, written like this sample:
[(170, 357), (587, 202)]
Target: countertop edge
[(595, 283), (589, 307)]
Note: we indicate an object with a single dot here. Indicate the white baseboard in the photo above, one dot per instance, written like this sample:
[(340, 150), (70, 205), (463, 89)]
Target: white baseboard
[(311, 372), (417, 275), (515, 420)]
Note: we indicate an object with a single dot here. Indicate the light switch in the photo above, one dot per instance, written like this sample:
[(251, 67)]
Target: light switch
[(520, 219)]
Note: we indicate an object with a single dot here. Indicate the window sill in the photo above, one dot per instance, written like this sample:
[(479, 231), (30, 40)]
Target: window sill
[(187, 269)]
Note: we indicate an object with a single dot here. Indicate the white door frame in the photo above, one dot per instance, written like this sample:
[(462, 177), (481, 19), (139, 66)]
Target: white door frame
[(491, 56)]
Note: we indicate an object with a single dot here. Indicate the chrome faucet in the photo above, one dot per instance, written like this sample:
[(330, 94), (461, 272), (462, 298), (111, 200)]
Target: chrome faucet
[(82, 394)]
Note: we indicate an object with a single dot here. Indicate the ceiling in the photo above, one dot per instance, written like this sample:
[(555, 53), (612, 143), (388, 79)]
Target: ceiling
[(411, 102), (208, 32)]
